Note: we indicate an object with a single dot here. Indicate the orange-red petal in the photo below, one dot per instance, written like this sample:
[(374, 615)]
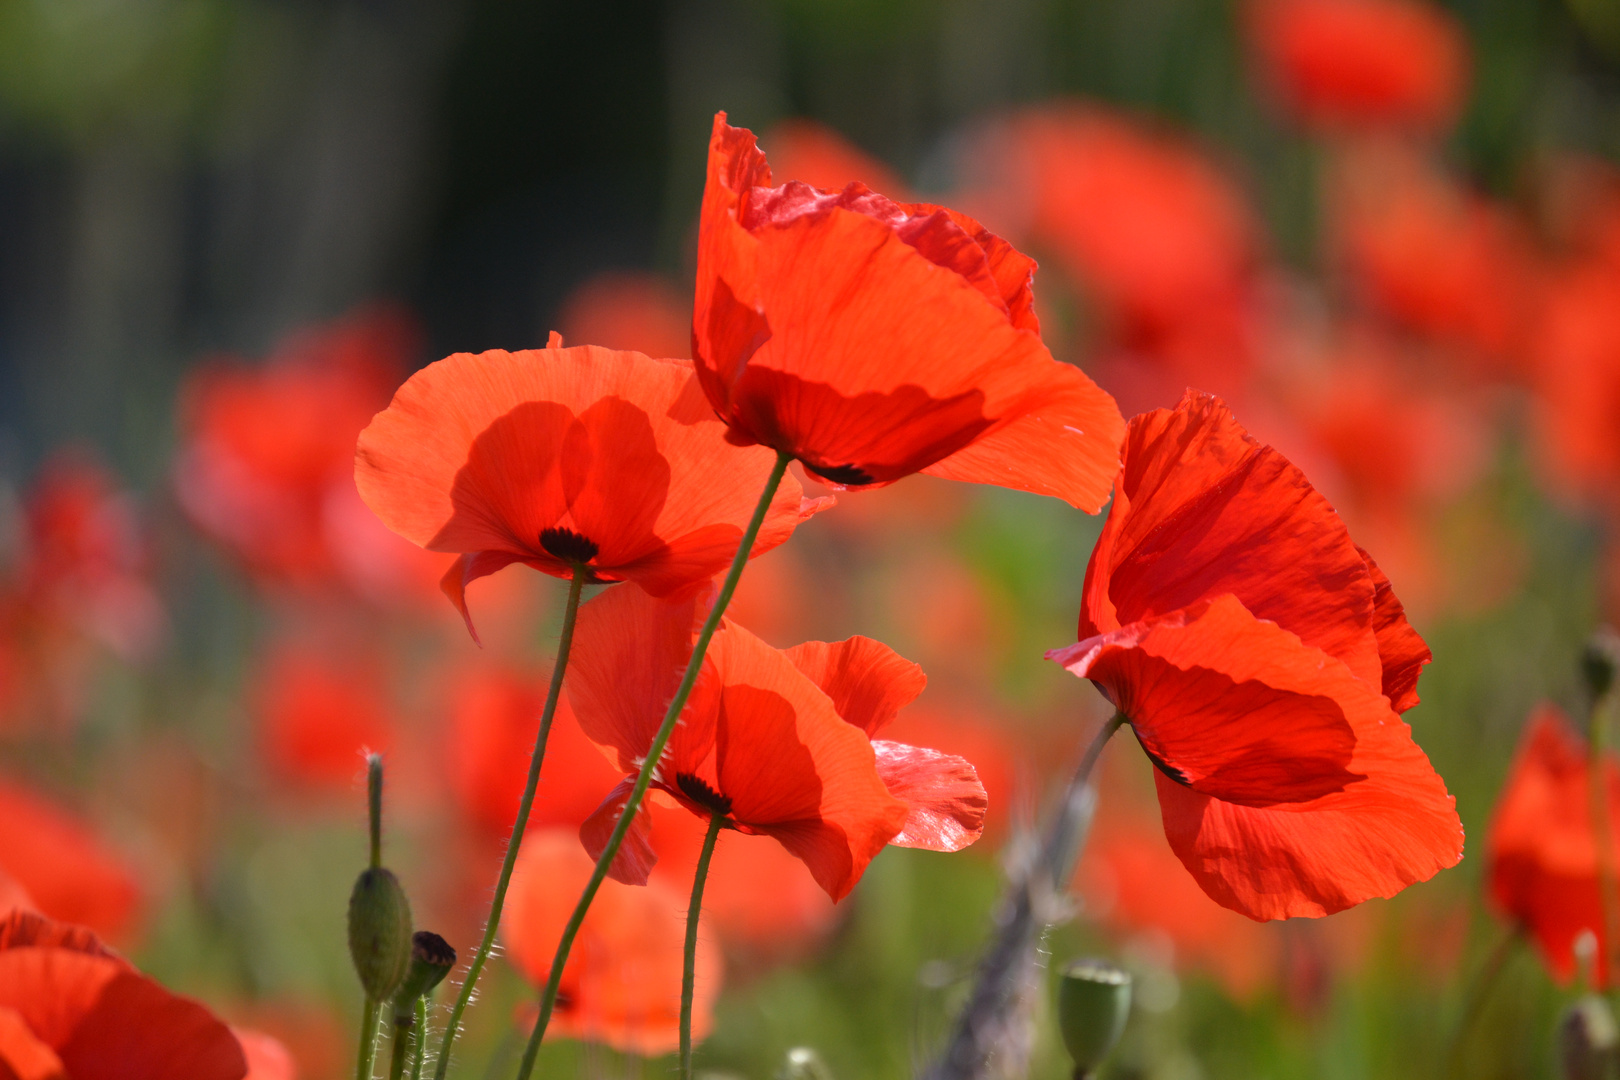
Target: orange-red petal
[(869, 683), (946, 803), (635, 858), (65, 869)]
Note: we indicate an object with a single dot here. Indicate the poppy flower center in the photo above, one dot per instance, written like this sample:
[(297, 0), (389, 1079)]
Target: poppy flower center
[(850, 475), (701, 793), (568, 545)]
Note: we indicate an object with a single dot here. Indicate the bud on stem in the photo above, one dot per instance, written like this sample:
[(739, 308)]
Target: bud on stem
[(1094, 1000)]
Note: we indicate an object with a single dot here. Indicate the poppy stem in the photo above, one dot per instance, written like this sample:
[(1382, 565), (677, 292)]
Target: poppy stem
[(421, 1038), (1478, 993), (1598, 792), (655, 753), (396, 1061), (1001, 984), (374, 786), (689, 964), (565, 642), (368, 1040)]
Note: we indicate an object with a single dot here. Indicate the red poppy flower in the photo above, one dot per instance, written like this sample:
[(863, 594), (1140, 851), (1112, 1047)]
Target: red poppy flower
[(1577, 381), (624, 310), (71, 1010), (1359, 63), (267, 1058), (319, 713), (494, 717), (558, 455), (63, 869), (622, 982), (1262, 660), (777, 742), (872, 339), (1542, 852)]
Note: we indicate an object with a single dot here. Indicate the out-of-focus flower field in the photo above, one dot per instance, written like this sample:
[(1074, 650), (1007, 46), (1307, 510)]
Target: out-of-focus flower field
[(1385, 232)]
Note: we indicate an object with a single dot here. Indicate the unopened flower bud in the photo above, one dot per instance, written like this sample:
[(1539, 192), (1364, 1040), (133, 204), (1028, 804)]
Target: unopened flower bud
[(432, 959), (1094, 1000), (1599, 661), (379, 932), (1589, 1041)]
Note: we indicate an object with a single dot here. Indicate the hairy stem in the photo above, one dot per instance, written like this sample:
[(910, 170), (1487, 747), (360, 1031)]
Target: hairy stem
[(655, 752), (564, 643), (689, 964), (421, 1038), (368, 1040)]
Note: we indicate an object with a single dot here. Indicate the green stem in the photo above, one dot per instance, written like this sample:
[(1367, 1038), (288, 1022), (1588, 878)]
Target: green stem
[(1478, 994), (689, 966), (469, 984), (374, 785), (396, 1061), (421, 1038), (368, 1041), (655, 752), (1598, 788)]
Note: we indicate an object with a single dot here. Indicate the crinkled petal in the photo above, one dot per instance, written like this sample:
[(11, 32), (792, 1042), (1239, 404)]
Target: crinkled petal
[(869, 683), (946, 800), (1401, 651)]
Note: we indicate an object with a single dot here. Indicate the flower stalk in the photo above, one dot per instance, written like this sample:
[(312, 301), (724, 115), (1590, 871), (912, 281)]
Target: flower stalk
[(689, 961), (655, 753)]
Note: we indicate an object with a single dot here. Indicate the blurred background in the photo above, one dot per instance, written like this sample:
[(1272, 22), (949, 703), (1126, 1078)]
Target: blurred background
[(1388, 232)]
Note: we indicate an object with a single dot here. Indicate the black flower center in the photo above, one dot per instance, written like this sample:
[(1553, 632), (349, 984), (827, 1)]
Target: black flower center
[(701, 793), (568, 545), (849, 475)]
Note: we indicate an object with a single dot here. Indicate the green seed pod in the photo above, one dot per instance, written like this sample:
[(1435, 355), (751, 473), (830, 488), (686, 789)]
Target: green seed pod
[(379, 932), (1589, 1041), (1094, 999), (432, 959)]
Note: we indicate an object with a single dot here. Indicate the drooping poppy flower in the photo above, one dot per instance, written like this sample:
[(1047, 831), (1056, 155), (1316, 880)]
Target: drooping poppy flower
[(1439, 260), (266, 464), (1543, 868), (1132, 883), (320, 712), (563, 455), (1354, 64), (494, 717), (622, 982), (815, 154), (872, 339), (778, 743), (62, 867), (1262, 660), (71, 1010), (639, 312)]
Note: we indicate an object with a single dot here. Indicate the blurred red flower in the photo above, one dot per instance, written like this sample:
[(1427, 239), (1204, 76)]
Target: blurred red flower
[(267, 1058), (872, 339), (61, 868), (1577, 381), (623, 309), (759, 743), (555, 455), (494, 717), (1542, 853), (1435, 258), (1133, 884), (319, 711), (817, 155), (71, 1009), (266, 465), (622, 982), (1345, 64), (1262, 661), (1163, 243)]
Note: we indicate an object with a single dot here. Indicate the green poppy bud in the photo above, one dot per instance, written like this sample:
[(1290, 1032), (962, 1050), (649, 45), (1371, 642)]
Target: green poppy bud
[(1094, 999), (379, 932), (432, 959), (1589, 1041)]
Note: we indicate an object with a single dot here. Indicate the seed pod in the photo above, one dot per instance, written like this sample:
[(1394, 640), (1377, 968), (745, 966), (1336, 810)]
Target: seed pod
[(432, 959), (1094, 1000), (1589, 1041), (379, 932)]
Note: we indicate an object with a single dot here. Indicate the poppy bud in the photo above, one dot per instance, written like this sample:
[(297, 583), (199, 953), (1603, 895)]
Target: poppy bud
[(1599, 660), (1589, 1041), (1094, 999), (432, 959), (803, 1063), (379, 932)]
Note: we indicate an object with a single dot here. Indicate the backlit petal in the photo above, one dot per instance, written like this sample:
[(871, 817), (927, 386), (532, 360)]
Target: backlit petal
[(946, 801), (868, 681)]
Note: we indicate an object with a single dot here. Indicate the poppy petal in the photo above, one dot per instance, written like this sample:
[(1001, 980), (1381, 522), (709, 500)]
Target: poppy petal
[(25, 929), (467, 569), (636, 857), (22, 1055), (67, 871), (869, 683), (1400, 649), (793, 769), (140, 1031), (1050, 448), (1232, 706), (1203, 509), (946, 799)]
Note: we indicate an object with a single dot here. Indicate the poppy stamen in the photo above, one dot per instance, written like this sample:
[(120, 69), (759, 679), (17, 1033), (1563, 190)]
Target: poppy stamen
[(568, 545), (700, 792)]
